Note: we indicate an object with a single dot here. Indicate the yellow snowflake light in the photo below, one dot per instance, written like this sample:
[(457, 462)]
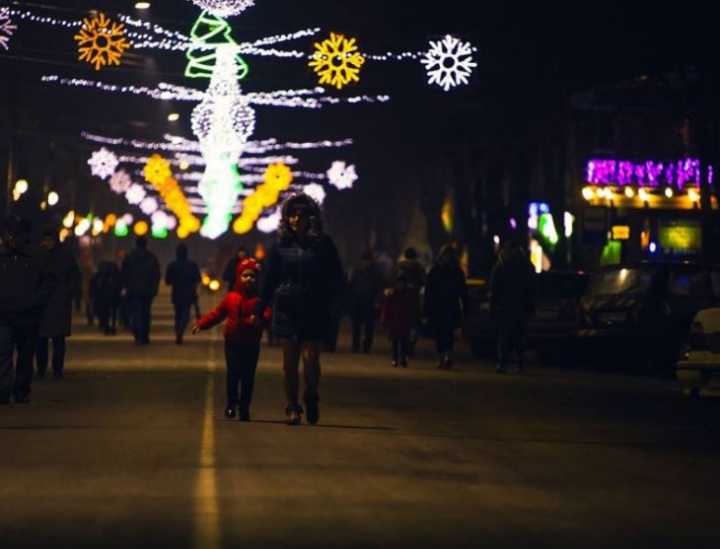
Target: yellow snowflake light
[(337, 60), (101, 41), (278, 178), (157, 170)]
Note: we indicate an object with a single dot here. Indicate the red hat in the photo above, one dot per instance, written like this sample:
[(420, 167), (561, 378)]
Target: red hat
[(245, 264)]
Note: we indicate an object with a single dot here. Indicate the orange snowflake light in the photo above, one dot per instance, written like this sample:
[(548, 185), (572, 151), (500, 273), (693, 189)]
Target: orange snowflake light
[(101, 42), (157, 170)]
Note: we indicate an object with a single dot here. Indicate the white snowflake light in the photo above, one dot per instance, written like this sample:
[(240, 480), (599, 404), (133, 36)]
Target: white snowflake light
[(316, 192), (103, 163), (449, 63), (120, 182), (159, 219), (224, 8), (149, 206), (6, 28), (171, 223), (342, 176), (135, 194), (269, 224)]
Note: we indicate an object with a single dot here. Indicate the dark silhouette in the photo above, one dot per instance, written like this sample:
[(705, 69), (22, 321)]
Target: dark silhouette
[(242, 337), (417, 279), (232, 265), (304, 277), (141, 279), (56, 321), (445, 301), (398, 316), (364, 289), (25, 287), (184, 276), (512, 302), (106, 288)]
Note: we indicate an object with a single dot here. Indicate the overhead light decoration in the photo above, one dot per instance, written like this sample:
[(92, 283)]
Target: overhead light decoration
[(271, 223), (135, 194), (157, 170), (149, 206), (101, 42), (224, 8), (103, 163), (142, 6), (337, 60), (120, 182), (207, 35), (121, 228), (449, 62), (7, 28), (316, 192), (277, 179), (141, 228), (342, 176), (53, 198)]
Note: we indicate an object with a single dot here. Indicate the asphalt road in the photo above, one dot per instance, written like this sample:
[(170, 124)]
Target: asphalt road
[(131, 449)]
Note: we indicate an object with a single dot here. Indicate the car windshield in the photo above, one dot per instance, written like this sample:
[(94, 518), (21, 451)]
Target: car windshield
[(632, 281), (561, 286)]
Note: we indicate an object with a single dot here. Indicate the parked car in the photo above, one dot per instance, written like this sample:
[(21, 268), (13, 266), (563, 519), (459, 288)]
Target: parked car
[(640, 313), (551, 330), (698, 371)]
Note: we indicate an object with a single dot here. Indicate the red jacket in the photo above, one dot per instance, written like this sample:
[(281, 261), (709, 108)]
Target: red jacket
[(400, 313), (238, 308)]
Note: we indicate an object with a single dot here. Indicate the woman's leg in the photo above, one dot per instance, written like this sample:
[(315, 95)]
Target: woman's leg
[(312, 371), (291, 375)]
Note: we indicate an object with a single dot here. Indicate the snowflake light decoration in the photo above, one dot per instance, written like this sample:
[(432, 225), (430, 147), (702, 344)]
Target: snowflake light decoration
[(224, 8), (337, 60), (149, 206), (135, 194), (316, 192), (157, 170), (278, 177), (342, 176), (101, 42), (103, 163), (449, 63), (7, 29), (120, 182), (271, 223)]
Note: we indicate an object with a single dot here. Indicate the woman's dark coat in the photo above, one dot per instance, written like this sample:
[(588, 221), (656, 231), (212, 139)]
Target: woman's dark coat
[(445, 296), (57, 315)]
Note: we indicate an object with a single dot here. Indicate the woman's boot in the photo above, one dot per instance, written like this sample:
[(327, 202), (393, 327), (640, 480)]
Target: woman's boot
[(293, 414)]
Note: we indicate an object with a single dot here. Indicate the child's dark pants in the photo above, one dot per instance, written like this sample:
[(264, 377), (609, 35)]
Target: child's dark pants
[(241, 363)]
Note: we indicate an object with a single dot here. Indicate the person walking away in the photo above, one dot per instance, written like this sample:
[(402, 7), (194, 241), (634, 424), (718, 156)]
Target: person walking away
[(232, 265), (141, 280), (184, 276), (107, 289), (365, 287), (303, 279), (56, 321), (445, 301), (417, 279), (87, 272), (512, 302), (242, 337), (398, 316), (25, 287)]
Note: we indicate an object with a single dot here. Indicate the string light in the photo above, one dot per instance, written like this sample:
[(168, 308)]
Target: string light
[(342, 176), (157, 170), (209, 35), (135, 194), (7, 28), (103, 163), (316, 192), (337, 60), (149, 206), (224, 8), (120, 182), (101, 42), (449, 62), (271, 223)]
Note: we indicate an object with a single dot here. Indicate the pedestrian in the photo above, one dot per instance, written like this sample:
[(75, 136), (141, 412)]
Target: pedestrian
[(232, 265), (184, 276), (303, 279), (512, 302), (56, 321), (87, 271), (141, 281), (25, 287), (417, 279), (445, 301), (365, 288), (107, 291), (242, 337), (398, 316)]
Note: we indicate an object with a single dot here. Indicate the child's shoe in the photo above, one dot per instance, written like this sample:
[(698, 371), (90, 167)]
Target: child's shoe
[(230, 411)]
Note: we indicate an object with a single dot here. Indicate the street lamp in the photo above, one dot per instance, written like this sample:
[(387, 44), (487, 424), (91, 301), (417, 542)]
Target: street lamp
[(53, 198), (142, 5), (173, 117)]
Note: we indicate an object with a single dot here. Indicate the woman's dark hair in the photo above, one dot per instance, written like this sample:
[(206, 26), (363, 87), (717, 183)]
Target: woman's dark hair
[(285, 233)]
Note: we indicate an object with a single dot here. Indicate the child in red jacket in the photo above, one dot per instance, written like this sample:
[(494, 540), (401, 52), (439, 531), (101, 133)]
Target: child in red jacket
[(242, 337), (399, 314)]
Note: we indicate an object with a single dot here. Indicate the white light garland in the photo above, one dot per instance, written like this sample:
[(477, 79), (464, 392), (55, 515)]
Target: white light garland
[(7, 28), (342, 176), (103, 163), (224, 8), (120, 182), (149, 206), (449, 62), (135, 194)]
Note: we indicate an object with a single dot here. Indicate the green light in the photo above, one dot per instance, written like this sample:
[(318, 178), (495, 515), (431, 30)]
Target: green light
[(208, 33), (159, 232), (121, 228), (547, 228)]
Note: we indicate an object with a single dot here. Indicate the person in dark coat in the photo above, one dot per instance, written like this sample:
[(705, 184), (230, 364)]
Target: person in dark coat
[(398, 316), (512, 302), (303, 279), (364, 289), (106, 290), (141, 279), (25, 287), (184, 276), (445, 300), (232, 265), (56, 322), (417, 279)]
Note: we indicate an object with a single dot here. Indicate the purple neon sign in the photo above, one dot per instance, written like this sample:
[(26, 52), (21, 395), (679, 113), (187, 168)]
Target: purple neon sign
[(680, 174)]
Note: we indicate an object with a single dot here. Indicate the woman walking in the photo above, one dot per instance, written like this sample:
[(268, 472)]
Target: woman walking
[(303, 278)]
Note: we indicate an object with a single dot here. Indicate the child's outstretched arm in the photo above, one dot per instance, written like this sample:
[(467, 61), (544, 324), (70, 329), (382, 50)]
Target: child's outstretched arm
[(213, 318)]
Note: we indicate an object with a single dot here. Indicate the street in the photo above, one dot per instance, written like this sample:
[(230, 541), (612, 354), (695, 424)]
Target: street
[(131, 449)]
